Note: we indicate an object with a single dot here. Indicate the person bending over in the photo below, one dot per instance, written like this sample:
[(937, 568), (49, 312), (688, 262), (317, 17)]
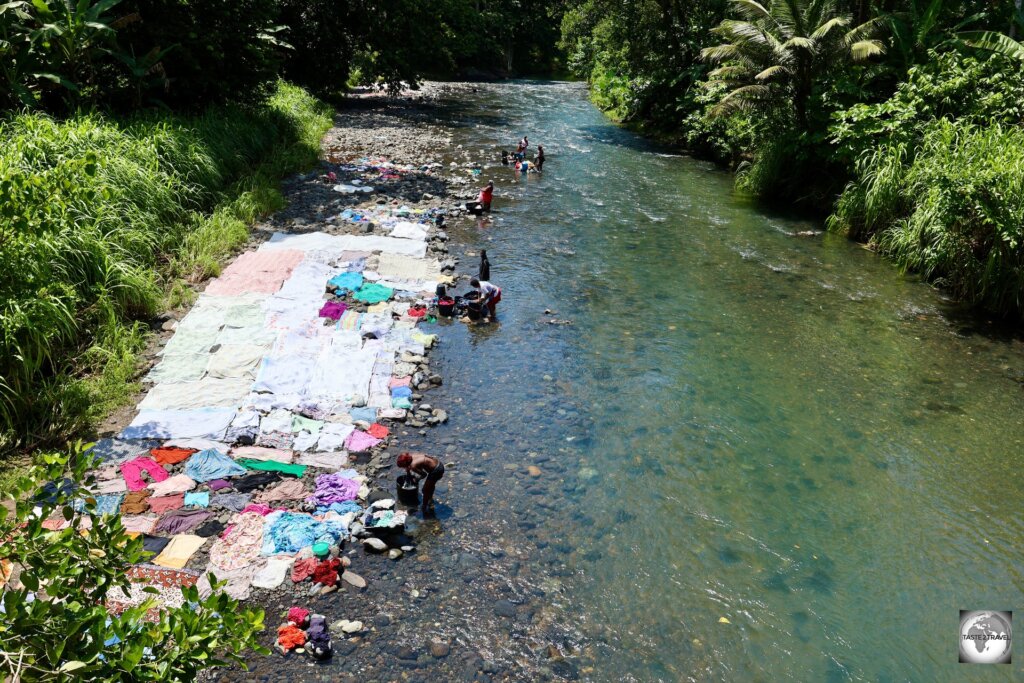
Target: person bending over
[(489, 294), (422, 466)]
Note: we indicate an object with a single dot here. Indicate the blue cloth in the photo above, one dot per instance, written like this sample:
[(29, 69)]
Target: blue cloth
[(402, 403), (105, 505), (197, 498), (212, 464), (340, 508), (401, 392), (345, 282), (290, 532), (364, 415)]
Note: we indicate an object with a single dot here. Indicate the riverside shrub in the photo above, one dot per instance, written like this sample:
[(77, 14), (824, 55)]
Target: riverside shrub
[(56, 626), (98, 216)]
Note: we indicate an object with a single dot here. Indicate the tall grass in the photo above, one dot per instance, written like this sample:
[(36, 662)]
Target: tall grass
[(100, 218), (954, 212)]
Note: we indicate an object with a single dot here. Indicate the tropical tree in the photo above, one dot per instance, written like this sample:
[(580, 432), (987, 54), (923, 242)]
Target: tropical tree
[(775, 55)]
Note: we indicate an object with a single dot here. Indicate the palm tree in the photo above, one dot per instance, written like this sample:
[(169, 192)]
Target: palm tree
[(777, 53)]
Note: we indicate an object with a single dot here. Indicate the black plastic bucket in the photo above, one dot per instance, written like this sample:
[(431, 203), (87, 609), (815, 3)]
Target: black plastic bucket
[(473, 309), (446, 307), (408, 490)]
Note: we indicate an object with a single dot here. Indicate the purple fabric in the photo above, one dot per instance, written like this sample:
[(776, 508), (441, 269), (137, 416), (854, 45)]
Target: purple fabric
[(181, 521), (359, 441), (218, 484), (332, 310), (334, 488)]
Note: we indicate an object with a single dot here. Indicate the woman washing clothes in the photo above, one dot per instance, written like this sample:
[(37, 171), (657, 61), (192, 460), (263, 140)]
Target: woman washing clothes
[(489, 294), (422, 466)]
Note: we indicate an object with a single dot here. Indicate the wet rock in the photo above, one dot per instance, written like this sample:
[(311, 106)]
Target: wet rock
[(382, 620), (564, 669), (504, 608), (353, 579), (394, 554), (534, 471), (439, 649)]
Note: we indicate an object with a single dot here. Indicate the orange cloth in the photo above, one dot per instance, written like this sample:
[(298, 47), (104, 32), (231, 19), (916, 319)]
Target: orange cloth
[(290, 637), (171, 456), (378, 431)]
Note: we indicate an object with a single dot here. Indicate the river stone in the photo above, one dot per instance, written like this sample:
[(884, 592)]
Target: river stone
[(534, 471), (353, 579), (504, 608), (394, 554), (439, 649)]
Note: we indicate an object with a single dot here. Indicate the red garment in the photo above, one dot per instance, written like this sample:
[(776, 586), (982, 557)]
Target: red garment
[(378, 431), (171, 456), (486, 195), (327, 572), (298, 616), (417, 311), (303, 569), (290, 637)]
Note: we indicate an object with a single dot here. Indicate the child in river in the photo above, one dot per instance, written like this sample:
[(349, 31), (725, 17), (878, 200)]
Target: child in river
[(489, 294)]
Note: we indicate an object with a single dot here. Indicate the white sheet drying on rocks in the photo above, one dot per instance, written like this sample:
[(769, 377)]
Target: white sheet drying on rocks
[(210, 423)]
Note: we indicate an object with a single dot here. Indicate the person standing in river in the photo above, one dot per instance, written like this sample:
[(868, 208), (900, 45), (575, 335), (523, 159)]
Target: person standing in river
[(485, 266), (538, 159), (486, 196), (422, 466), (489, 294)]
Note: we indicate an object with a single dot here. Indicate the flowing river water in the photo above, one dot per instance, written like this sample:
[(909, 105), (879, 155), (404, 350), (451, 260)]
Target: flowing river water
[(741, 423)]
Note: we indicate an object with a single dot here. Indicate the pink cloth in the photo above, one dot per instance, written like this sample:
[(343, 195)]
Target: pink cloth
[(241, 546), (133, 469), (259, 508), (256, 272), (262, 453), (332, 310), (359, 441), (400, 382)]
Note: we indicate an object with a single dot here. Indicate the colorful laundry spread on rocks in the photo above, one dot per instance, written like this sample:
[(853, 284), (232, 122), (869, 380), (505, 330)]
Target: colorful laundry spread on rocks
[(238, 462)]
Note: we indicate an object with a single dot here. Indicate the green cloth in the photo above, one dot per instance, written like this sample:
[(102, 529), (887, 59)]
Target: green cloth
[(373, 293), (272, 466), (300, 423)]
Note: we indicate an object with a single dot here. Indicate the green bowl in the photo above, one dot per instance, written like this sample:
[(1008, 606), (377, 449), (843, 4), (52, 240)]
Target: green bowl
[(321, 550)]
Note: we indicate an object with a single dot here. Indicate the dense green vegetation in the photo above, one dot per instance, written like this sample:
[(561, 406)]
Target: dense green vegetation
[(101, 218), (902, 120)]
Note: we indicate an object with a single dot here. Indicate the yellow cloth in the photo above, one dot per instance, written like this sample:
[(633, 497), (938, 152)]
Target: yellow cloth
[(378, 308), (178, 552)]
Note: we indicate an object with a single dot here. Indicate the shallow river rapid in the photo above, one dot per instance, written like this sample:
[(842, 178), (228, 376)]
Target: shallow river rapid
[(741, 422)]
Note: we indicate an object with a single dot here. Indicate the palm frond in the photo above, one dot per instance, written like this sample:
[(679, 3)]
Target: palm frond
[(752, 9), (719, 53), (826, 28), (993, 41), (863, 49), (771, 71)]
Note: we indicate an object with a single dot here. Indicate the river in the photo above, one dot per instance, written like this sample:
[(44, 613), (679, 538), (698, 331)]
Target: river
[(763, 456)]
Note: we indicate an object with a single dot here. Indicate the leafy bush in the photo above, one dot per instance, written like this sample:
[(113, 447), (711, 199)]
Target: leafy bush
[(98, 214), (56, 626), (954, 212)]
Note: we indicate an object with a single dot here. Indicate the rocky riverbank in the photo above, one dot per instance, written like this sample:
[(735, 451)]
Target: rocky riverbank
[(468, 603)]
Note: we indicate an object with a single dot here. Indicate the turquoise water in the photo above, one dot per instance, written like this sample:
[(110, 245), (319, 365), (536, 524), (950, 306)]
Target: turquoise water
[(740, 422)]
